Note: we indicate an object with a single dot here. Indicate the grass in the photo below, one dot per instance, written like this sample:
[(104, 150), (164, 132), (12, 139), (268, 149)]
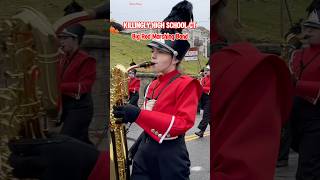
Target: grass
[(123, 50), (260, 19)]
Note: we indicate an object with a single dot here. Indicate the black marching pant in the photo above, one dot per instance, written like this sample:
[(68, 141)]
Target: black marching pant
[(285, 142), (166, 161), (306, 138), (76, 117), (206, 112), (134, 98)]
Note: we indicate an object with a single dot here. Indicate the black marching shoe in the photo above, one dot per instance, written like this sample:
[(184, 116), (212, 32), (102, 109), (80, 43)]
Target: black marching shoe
[(199, 133)]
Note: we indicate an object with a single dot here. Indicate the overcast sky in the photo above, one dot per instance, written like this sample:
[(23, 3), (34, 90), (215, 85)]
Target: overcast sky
[(156, 10)]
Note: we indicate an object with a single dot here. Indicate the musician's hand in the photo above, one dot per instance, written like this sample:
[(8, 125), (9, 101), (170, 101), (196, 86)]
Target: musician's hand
[(128, 113), (59, 119), (294, 80), (60, 158)]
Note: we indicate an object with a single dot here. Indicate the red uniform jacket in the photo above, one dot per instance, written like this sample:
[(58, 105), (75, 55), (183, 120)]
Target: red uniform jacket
[(175, 110), (134, 85), (205, 83), (78, 77), (252, 97), (306, 69), (101, 170)]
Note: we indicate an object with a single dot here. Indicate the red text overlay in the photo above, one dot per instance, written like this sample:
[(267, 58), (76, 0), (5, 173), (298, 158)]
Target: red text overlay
[(158, 25), (166, 36)]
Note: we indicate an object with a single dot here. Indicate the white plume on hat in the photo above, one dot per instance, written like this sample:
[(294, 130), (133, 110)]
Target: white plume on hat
[(313, 12)]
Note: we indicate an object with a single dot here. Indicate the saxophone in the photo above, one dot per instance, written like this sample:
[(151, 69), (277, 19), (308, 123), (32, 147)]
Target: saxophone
[(119, 167), (28, 92)]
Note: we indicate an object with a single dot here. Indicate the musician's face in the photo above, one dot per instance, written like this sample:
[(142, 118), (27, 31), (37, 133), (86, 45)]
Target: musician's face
[(164, 62), (207, 73), (312, 35), (68, 44), (131, 74)]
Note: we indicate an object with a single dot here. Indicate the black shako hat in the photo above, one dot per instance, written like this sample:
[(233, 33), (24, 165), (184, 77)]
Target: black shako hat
[(313, 20), (73, 7), (75, 30), (313, 15), (181, 12), (177, 48)]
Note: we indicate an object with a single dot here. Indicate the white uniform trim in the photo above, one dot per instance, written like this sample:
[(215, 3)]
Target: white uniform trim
[(317, 98), (169, 128), (77, 95), (291, 61), (145, 96), (171, 138), (69, 33)]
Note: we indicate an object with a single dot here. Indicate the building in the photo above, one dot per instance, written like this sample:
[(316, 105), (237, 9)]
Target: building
[(199, 38)]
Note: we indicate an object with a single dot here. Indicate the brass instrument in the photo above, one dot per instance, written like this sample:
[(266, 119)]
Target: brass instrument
[(29, 86), (145, 64), (28, 82), (292, 42), (119, 168)]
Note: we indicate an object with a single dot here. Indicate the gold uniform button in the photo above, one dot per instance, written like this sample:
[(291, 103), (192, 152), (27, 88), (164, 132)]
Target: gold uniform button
[(159, 135), (156, 133)]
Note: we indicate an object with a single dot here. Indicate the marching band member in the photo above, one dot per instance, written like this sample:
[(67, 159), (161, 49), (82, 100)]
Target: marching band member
[(169, 111), (133, 87), (77, 74), (306, 113), (252, 94), (205, 101)]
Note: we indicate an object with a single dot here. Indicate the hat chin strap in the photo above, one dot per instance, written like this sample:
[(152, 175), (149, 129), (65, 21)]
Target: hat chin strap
[(175, 53)]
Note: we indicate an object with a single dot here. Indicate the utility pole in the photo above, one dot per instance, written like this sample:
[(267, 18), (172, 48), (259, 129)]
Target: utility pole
[(238, 12), (281, 18)]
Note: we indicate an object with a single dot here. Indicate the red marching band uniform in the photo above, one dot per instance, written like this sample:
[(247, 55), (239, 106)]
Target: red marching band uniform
[(305, 124), (78, 79), (171, 117), (101, 171), (205, 83), (79, 75), (252, 99), (306, 69), (133, 85), (205, 104)]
